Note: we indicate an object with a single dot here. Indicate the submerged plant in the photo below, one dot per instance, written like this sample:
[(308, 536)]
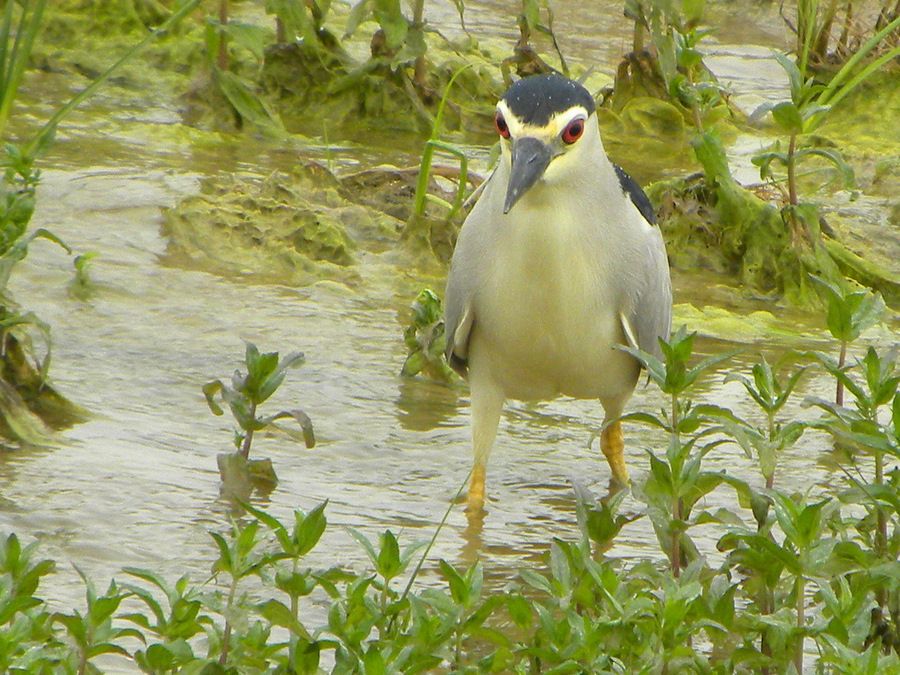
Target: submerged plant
[(265, 373)]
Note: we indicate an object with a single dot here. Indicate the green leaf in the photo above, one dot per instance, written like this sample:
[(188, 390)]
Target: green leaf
[(249, 36), (848, 177), (309, 529), (459, 589), (278, 614), (210, 389), (248, 105), (306, 657), (388, 561), (306, 426), (788, 117), (520, 611), (795, 79), (224, 563), (365, 543), (392, 21), (362, 11)]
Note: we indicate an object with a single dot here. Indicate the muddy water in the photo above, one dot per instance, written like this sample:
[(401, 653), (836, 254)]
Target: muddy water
[(137, 484)]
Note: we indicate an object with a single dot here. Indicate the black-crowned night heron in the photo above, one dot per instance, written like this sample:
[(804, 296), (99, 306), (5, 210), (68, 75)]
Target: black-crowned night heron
[(559, 262)]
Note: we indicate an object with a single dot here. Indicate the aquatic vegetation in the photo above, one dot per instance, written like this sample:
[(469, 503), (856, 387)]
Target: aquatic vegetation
[(793, 575), (291, 228), (799, 571), (425, 341), (849, 314), (418, 230), (812, 101), (29, 405), (265, 373), (676, 483), (672, 69)]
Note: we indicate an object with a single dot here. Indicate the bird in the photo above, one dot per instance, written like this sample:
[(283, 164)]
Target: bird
[(559, 262)]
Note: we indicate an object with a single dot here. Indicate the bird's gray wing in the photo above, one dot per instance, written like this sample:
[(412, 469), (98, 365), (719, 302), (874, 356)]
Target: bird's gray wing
[(458, 320), (648, 315), (471, 262)]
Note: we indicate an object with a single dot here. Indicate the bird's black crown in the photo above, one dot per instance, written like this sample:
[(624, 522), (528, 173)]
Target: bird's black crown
[(534, 100)]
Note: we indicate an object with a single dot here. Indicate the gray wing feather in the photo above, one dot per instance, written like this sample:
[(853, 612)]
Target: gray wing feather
[(458, 320), (650, 314)]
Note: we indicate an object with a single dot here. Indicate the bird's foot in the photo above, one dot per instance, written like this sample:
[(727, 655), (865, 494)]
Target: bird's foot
[(612, 443), (474, 499)]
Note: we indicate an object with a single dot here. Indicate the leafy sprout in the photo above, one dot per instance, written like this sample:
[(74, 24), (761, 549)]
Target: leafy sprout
[(265, 373)]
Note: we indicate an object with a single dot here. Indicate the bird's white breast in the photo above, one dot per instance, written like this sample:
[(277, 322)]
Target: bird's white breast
[(547, 314)]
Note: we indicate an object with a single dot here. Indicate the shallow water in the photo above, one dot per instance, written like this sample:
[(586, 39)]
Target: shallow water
[(138, 485)]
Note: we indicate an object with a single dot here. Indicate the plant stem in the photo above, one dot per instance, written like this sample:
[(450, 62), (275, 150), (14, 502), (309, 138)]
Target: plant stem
[(881, 539), (295, 612), (764, 610), (676, 482), (418, 23), (248, 437), (791, 168), (222, 58), (676, 539), (801, 621), (226, 638), (839, 390)]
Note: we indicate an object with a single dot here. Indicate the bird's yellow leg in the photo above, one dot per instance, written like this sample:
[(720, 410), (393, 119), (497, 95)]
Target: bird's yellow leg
[(475, 499), (612, 443)]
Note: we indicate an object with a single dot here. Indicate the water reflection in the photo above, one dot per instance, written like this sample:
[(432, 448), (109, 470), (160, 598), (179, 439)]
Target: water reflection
[(423, 405)]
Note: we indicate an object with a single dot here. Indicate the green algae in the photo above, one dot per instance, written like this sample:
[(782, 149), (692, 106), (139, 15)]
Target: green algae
[(711, 222), (737, 326), (293, 228), (865, 122), (30, 407), (649, 128), (312, 86)]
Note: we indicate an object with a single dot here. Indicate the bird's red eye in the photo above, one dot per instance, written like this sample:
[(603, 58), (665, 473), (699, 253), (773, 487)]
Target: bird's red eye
[(502, 126), (573, 132)]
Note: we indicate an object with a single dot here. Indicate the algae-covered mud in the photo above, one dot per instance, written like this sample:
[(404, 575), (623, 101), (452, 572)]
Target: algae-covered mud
[(271, 197)]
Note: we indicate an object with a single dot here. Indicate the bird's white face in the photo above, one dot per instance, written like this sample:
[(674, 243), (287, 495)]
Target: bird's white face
[(552, 153)]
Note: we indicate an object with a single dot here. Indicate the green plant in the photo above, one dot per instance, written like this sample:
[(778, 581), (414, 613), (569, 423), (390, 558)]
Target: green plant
[(675, 33), (416, 228), (768, 442), (173, 621), (21, 623), (240, 93), (29, 402), (19, 27), (402, 40), (811, 102), (863, 430), (295, 582), (239, 558), (93, 632), (676, 482), (265, 373), (849, 314), (424, 338)]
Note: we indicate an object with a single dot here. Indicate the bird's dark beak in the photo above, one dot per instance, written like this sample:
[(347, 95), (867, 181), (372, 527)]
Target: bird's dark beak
[(530, 158)]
